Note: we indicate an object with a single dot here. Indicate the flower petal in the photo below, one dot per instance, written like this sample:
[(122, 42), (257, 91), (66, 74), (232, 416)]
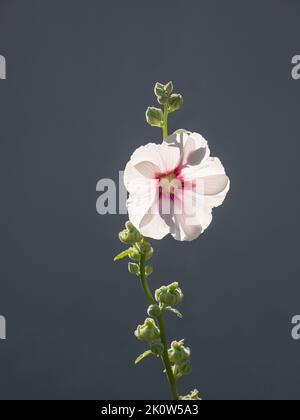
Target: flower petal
[(209, 177), (184, 231), (138, 205), (165, 158), (192, 215), (131, 177), (218, 199), (215, 184), (193, 147), (142, 193), (147, 169), (153, 225), (210, 166)]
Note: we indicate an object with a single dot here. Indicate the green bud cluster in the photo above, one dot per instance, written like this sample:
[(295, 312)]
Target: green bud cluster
[(140, 247), (180, 355), (171, 102), (150, 333), (163, 92), (169, 295)]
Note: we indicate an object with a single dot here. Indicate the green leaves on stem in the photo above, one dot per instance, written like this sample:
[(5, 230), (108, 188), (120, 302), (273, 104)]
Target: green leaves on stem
[(143, 356), (140, 246), (176, 360)]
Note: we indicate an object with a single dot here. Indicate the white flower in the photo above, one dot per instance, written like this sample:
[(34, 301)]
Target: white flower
[(174, 186)]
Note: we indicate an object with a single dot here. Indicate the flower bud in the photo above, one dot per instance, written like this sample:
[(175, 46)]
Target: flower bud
[(163, 99), (148, 331), (149, 253), (157, 347), (178, 353), (154, 311), (169, 295), (125, 237), (163, 91), (134, 232), (159, 89), (169, 88), (182, 369), (175, 102), (130, 226), (134, 269), (194, 395), (155, 117), (130, 235), (146, 249), (148, 270)]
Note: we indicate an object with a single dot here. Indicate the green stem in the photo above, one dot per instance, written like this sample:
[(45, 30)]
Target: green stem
[(165, 126), (163, 336)]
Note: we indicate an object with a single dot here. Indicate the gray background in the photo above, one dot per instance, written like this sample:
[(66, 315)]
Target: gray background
[(80, 76)]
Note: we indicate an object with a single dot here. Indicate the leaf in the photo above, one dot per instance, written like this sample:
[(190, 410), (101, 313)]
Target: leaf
[(143, 356), (175, 311), (123, 255)]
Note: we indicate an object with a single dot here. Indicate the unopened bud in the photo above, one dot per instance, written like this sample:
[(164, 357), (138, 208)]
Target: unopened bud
[(154, 311), (163, 99), (169, 88), (130, 235), (125, 237), (134, 232), (178, 353), (169, 295), (148, 270), (146, 249), (148, 331), (130, 226), (175, 102), (155, 117), (159, 89), (134, 269), (182, 369), (157, 347)]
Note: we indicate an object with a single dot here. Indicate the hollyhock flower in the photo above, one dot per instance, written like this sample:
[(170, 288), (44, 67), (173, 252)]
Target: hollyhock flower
[(174, 186)]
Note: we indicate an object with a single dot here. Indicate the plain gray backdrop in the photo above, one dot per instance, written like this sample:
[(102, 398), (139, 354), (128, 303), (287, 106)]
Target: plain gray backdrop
[(80, 74)]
